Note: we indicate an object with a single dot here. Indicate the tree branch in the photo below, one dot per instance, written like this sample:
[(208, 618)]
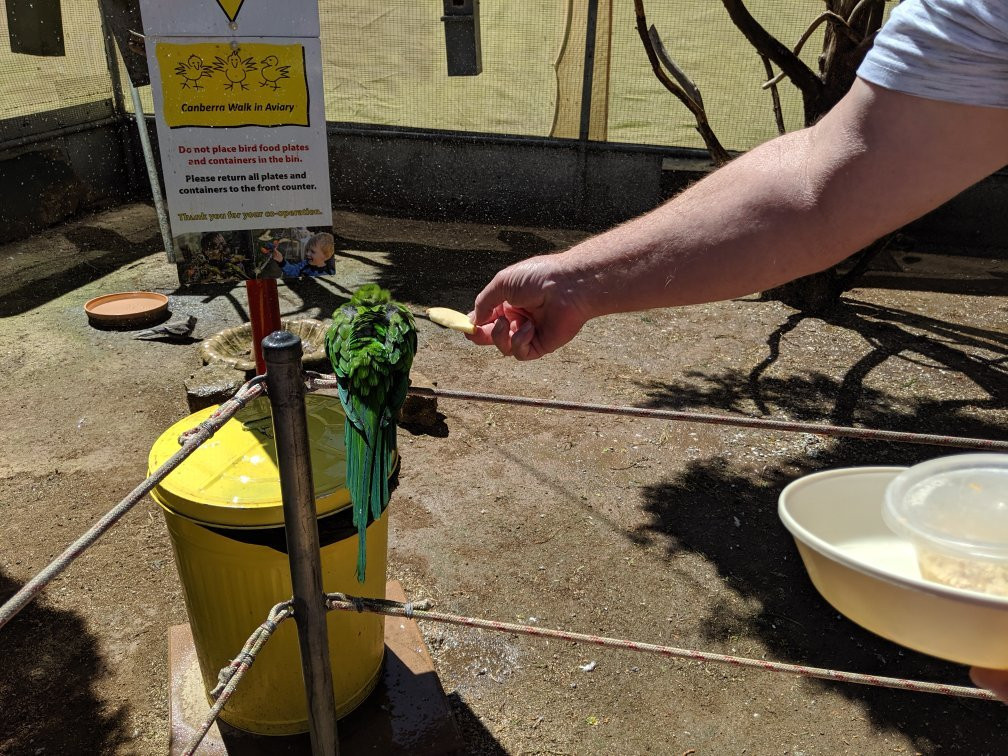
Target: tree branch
[(774, 95), (860, 6), (825, 16), (766, 44), (695, 104), (680, 76)]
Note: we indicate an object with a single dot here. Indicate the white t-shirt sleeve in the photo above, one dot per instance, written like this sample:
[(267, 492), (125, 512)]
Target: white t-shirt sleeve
[(951, 50)]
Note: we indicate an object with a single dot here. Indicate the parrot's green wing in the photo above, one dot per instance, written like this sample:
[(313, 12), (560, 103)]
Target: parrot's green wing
[(371, 345)]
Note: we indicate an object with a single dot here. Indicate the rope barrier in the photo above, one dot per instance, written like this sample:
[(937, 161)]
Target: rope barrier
[(315, 381), (229, 677), (189, 442), (417, 610)]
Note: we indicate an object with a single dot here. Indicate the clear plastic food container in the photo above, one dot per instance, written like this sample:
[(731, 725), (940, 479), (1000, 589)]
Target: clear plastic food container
[(955, 512)]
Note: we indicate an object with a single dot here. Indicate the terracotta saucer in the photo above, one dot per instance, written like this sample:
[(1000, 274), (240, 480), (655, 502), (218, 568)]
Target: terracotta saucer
[(126, 309)]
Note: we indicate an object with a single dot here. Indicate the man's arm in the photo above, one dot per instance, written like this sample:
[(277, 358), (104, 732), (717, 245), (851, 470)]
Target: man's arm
[(790, 207)]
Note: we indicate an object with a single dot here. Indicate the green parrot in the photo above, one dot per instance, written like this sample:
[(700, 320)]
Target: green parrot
[(371, 345)]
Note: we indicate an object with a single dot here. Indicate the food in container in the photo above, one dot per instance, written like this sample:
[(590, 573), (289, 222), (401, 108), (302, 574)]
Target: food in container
[(954, 510)]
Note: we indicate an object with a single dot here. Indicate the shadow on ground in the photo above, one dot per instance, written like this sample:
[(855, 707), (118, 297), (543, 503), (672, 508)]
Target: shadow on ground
[(450, 277), (51, 667), (114, 250), (478, 740), (423, 274), (726, 510)]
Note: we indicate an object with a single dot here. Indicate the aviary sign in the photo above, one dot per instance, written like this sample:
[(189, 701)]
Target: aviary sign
[(237, 90)]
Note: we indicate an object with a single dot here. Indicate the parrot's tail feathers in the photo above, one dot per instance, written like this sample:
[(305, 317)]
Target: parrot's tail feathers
[(361, 549), (362, 439), (356, 450), (374, 475)]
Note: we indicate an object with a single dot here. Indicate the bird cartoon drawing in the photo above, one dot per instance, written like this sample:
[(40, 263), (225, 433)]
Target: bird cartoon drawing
[(272, 73), (191, 71), (235, 69)]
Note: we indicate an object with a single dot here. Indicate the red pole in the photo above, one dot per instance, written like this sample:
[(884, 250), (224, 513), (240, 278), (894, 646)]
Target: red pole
[(264, 314)]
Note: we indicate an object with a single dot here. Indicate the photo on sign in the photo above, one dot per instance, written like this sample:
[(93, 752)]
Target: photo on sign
[(213, 256), (297, 252), (231, 256)]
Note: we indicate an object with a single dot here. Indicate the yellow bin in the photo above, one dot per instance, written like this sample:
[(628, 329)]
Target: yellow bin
[(225, 517)]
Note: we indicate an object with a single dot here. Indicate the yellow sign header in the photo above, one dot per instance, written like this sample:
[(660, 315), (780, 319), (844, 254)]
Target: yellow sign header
[(211, 84)]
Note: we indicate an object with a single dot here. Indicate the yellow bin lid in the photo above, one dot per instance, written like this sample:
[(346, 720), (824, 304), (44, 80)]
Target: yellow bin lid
[(232, 479)]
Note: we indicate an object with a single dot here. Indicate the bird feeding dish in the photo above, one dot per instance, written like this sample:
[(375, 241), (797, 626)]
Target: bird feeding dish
[(232, 347), (870, 573), (127, 309)]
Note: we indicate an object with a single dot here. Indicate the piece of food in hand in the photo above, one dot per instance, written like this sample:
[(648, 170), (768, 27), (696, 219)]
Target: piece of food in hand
[(449, 318)]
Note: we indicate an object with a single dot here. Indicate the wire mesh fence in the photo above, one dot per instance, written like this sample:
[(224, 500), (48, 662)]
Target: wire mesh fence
[(384, 64), (701, 38), (39, 94)]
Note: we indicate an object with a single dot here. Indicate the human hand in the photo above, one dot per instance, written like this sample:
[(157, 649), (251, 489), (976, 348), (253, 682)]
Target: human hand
[(530, 309), (277, 255), (994, 680)]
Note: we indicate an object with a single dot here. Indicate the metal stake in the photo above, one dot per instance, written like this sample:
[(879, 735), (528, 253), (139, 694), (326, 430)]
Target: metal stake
[(264, 314), (152, 174), (285, 383)]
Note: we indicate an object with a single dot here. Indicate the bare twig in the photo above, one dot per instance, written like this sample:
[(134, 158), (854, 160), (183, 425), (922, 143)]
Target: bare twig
[(858, 7), (863, 259), (548, 538), (821, 19), (810, 85), (718, 153), (680, 76), (775, 96)]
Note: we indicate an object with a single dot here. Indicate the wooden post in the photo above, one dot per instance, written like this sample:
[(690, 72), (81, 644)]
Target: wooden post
[(570, 72)]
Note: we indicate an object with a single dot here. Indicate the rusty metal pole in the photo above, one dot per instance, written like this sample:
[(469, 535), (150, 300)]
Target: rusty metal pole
[(264, 314), (282, 352)]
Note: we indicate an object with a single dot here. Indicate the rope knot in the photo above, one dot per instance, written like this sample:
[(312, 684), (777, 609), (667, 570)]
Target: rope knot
[(223, 678)]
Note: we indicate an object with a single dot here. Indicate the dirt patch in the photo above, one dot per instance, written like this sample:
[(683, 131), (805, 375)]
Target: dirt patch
[(662, 532)]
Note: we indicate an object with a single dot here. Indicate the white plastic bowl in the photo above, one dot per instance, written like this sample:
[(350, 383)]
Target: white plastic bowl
[(870, 574)]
